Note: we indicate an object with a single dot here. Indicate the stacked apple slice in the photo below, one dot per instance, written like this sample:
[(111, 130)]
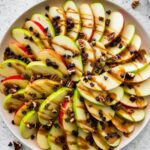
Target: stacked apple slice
[(76, 78)]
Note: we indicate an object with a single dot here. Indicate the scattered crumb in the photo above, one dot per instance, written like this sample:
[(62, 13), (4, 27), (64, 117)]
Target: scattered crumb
[(135, 3)]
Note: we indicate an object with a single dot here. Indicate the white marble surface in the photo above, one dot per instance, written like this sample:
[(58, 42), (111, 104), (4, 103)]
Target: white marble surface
[(11, 9)]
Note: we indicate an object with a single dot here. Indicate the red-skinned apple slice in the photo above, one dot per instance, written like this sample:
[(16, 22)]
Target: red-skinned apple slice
[(17, 80), (114, 28), (52, 56), (38, 29), (99, 17), (58, 12), (66, 115), (87, 18)]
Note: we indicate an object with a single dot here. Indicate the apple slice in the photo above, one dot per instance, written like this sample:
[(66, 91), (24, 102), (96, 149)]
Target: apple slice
[(39, 67), (130, 114), (56, 138), (42, 138), (45, 23), (28, 124), (73, 19), (122, 125), (14, 101), (140, 75), (40, 88), (100, 112), (50, 107), (32, 43), (126, 36), (67, 122), (23, 110), (38, 30), (133, 101), (100, 142), (105, 81), (110, 98), (114, 28), (12, 67), (87, 19), (81, 115), (109, 134), (85, 141), (65, 46), (13, 84), (127, 54), (140, 89), (99, 17), (138, 64), (88, 60), (51, 57), (58, 19)]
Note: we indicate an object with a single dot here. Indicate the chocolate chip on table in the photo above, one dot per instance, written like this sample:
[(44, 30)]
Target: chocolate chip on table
[(17, 145), (108, 12), (32, 137), (13, 122), (135, 3), (10, 144)]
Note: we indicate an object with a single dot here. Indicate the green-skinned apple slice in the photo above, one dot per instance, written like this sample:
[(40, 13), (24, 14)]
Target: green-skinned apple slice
[(56, 137), (50, 107), (57, 14), (40, 88), (85, 144), (19, 50), (106, 81), (81, 115), (127, 54), (38, 30), (114, 28), (67, 122), (53, 57), (130, 114), (14, 101), (109, 134), (65, 46), (126, 36), (99, 17), (138, 64), (39, 67), (25, 108), (12, 84), (100, 112), (100, 141), (133, 101), (12, 67), (140, 75), (122, 125), (31, 42), (45, 23), (140, 89), (73, 19), (109, 98), (87, 19), (42, 138), (88, 50), (28, 124)]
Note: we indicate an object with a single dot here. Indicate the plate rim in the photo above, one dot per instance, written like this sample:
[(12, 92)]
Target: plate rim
[(142, 126)]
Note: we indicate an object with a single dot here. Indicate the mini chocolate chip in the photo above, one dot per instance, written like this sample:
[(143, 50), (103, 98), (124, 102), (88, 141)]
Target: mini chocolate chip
[(31, 28), (97, 99), (17, 145), (105, 77), (32, 137), (46, 15), (85, 79), (92, 84), (31, 39), (120, 45), (9, 65), (37, 34), (107, 22), (101, 18), (108, 12), (27, 19), (133, 98), (122, 75), (75, 133), (13, 122), (26, 37), (10, 144), (89, 77), (110, 71), (47, 8)]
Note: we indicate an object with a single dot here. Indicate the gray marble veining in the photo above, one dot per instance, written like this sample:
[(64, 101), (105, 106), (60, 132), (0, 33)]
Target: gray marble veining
[(11, 9)]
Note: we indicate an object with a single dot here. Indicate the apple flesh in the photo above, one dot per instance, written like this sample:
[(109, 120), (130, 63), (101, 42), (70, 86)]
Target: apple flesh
[(12, 67), (73, 17), (57, 12), (87, 19), (45, 113), (99, 18), (40, 88), (45, 23), (114, 28), (28, 124), (55, 58)]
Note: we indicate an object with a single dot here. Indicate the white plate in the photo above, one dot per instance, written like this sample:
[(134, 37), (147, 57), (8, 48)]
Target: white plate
[(39, 8)]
